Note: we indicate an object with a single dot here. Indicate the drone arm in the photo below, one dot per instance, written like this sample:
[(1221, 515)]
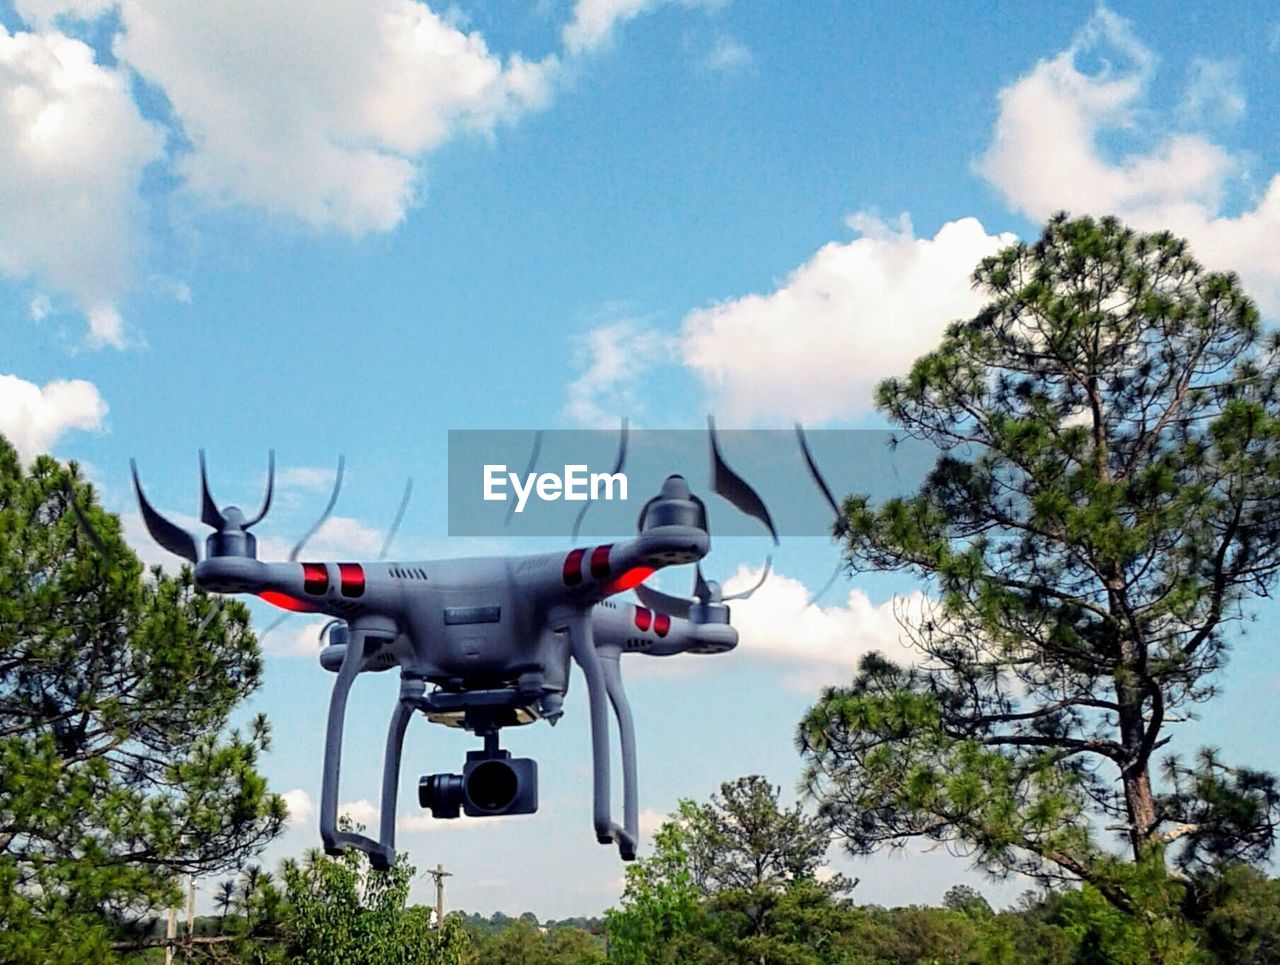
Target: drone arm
[(627, 734)]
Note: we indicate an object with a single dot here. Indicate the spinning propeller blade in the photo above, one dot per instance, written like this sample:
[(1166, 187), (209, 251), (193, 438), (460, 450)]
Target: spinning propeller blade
[(395, 523), (734, 488), (274, 625), (768, 568), (842, 522), (817, 477), (210, 515), (173, 538), (738, 491), (533, 461), (677, 606), (85, 525), (835, 574), (333, 499), (271, 486), (617, 468), (701, 589)]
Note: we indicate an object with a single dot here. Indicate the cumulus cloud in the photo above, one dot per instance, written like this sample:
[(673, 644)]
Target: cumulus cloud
[(594, 21), (73, 147), (300, 805), (295, 641), (616, 361), (34, 417), (345, 535), (425, 823), (45, 13), (1213, 94), (361, 812), (856, 312), (818, 644), (321, 113), (1049, 152)]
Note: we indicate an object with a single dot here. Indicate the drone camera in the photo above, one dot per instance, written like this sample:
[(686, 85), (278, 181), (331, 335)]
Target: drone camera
[(489, 785)]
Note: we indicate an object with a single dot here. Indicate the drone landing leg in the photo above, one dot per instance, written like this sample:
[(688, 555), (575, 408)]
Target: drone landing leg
[(385, 857), (336, 841), (582, 646), (627, 838)]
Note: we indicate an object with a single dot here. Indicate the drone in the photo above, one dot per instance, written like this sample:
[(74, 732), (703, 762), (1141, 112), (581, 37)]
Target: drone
[(486, 643)]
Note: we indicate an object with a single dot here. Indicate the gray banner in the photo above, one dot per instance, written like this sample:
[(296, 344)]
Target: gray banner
[(538, 483)]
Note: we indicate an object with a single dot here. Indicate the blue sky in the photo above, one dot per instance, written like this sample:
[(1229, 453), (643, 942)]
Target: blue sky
[(351, 227)]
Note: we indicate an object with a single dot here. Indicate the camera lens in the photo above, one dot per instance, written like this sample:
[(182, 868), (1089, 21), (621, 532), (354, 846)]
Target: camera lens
[(442, 793), (492, 786)]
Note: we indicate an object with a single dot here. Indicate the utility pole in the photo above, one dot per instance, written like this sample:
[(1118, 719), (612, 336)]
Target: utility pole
[(170, 932), (439, 874)]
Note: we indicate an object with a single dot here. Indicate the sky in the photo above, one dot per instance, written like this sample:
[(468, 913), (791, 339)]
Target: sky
[(350, 227)]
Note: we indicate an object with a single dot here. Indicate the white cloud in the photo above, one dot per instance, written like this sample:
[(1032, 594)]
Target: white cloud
[(307, 477), (340, 537), (301, 807), (33, 418), (44, 13), (361, 812), (72, 150), (819, 644), (295, 641), (321, 112), (594, 21), (649, 820), (1213, 94), (728, 56), (855, 313), (425, 823), (40, 307), (1047, 154), (616, 362)]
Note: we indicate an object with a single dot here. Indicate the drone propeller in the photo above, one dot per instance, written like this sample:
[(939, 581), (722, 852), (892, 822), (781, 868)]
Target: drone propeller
[(727, 483), (231, 536), (533, 461), (85, 525), (842, 522), (382, 555), (706, 594), (328, 510), (617, 468), (708, 603), (395, 523)]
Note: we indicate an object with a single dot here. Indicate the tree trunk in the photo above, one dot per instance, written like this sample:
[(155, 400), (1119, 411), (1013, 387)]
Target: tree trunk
[(1135, 772)]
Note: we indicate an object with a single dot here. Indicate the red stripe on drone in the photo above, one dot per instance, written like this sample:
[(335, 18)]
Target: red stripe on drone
[(633, 577), (661, 624), (287, 602), (644, 616), (573, 567), (315, 578), (600, 561), (352, 575)]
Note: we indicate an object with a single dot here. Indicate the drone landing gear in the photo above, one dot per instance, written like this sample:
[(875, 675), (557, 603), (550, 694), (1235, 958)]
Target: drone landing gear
[(365, 635), (604, 682)]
